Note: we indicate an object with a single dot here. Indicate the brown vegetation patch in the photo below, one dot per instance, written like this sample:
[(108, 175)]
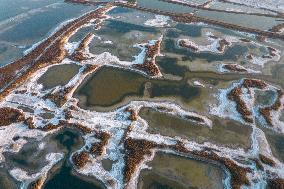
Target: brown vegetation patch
[(79, 53), (98, 148), (266, 111), (277, 104), (82, 128), (184, 44), (135, 151), (254, 83), (276, 183), (10, 115), (30, 123), (90, 68), (234, 68), (179, 146), (245, 40), (50, 127), (149, 65), (133, 114), (277, 28), (258, 164), (249, 57), (235, 95), (51, 51), (36, 184), (266, 160), (194, 118), (223, 43), (59, 97), (80, 159), (68, 114), (272, 51), (238, 174)]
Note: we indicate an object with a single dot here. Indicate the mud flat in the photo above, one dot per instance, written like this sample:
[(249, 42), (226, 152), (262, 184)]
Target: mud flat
[(170, 171), (228, 133)]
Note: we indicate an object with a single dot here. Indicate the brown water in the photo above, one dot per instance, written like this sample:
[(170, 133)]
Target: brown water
[(58, 75), (6, 181), (276, 142), (175, 172), (224, 132), (110, 86)]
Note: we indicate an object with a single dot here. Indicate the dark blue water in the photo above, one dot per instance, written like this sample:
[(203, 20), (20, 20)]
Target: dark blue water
[(63, 178)]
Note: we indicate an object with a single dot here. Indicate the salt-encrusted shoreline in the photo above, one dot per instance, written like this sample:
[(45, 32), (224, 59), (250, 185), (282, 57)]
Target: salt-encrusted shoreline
[(121, 135)]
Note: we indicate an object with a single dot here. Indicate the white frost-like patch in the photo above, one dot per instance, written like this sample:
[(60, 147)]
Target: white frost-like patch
[(23, 176), (212, 47), (139, 59), (108, 42), (221, 69), (16, 130), (71, 47), (275, 5), (158, 21), (116, 122), (225, 107), (198, 83), (262, 60)]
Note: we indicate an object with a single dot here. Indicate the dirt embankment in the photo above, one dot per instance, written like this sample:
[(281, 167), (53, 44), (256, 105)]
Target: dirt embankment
[(236, 93), (10, 115), (60, 96), (183, 43), (276, 183), (266, 112), (80, 53), (133, 114), (234, 68), (37, 184), (149, 65), (99, 148), (51, 51), (137, 149), (80, 159)]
